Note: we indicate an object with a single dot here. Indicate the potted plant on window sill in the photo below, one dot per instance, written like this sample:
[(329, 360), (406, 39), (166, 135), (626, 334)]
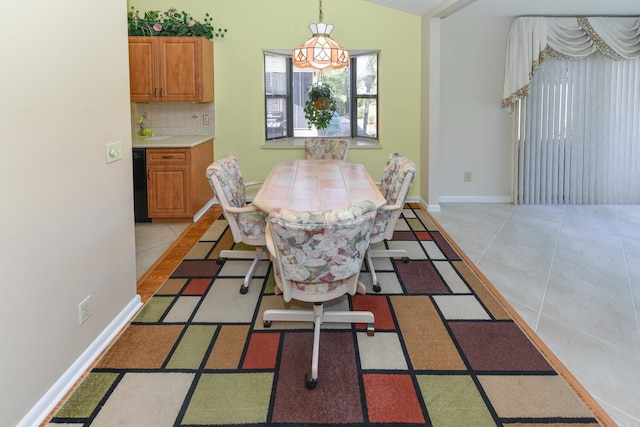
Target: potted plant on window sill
[(320, 105)]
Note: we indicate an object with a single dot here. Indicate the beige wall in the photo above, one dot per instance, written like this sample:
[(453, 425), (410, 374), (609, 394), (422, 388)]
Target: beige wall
[(66, 228), (282, 24), (476, 134)]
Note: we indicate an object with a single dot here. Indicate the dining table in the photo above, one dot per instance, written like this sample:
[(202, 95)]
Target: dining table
[(317, 185)]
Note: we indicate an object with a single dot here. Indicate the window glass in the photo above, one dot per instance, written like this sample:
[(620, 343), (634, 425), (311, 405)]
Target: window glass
[(367, 96), (276, 95), (339, 80)]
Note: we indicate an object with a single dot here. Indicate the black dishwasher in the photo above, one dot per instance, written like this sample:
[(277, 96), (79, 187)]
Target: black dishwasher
[(140, 207)]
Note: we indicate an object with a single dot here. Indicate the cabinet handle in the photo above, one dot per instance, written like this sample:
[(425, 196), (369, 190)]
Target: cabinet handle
[(155, 92), (160, 92), (167, 157)]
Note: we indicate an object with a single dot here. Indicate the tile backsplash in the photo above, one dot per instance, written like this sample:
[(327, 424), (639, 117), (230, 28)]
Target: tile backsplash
[(174, 118)]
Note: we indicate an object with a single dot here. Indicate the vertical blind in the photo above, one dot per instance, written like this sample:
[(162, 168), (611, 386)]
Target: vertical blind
[(579, 133)]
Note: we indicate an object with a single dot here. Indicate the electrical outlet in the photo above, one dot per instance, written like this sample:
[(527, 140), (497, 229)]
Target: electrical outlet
[(85, 309), (205, 119), (114, 151), (467, 176)]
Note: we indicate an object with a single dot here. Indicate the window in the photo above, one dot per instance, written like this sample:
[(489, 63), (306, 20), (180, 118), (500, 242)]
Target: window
[(355, 90)]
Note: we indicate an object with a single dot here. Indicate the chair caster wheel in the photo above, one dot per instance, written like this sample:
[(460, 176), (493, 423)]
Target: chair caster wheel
[(309, 382), (244, 289), (406, 260), (266, 323), (377, 288), (220, 261)]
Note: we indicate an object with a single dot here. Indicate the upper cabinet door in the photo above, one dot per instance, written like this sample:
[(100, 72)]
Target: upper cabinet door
[(143, 79), (171, 69)]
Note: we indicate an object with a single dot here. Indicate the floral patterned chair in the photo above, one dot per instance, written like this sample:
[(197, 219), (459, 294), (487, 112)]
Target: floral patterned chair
[(397, 178), (247, 223), (336, 149), (317, 257)]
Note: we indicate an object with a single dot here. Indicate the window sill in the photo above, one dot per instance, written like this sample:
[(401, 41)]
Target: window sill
[(354, 143)]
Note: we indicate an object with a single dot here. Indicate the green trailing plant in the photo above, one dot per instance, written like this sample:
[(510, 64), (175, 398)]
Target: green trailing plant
[(171, 23), (320, 105)]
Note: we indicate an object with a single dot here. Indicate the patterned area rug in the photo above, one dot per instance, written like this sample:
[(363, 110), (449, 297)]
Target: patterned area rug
[(446, 351)]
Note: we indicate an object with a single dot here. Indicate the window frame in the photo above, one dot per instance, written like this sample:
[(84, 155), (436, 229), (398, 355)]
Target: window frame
[(288, 97)]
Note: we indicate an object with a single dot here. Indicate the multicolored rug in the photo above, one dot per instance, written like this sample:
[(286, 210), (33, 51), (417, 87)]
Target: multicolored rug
[(446, 352)]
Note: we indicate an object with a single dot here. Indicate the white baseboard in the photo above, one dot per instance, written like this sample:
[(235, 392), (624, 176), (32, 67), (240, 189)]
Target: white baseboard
[(475, 199), (203, 210), (459, 199), (56, 393), (425, 205)]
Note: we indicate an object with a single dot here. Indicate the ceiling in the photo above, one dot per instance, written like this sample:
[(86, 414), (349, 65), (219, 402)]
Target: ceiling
[(520, 7)]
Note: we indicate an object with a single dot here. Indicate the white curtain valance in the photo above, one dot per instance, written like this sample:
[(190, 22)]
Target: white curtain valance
[(532, 38)]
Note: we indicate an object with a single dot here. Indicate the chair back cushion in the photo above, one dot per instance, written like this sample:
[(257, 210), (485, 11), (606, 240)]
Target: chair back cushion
[(335, 149), (227, 171), (397, 179), (397, 169), (228, 185), (317, 251)]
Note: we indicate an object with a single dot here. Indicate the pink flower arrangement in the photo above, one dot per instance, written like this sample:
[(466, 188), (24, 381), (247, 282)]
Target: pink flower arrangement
[(171, 23)]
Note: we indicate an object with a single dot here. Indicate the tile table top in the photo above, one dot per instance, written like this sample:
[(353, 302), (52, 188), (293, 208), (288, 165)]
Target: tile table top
[(317, 185)]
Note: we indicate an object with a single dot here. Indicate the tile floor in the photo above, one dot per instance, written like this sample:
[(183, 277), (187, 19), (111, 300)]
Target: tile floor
[(152, 240), (573, 273)]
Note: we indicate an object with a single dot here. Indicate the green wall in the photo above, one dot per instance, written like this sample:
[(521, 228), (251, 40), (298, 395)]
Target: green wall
[(255, 25)]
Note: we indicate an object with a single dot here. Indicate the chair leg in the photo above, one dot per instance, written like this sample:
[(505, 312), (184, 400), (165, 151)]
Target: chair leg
[(286, 316), (390, 253), (383, 253), (311, 380), (231, 254), (257, 255), (374, 278)]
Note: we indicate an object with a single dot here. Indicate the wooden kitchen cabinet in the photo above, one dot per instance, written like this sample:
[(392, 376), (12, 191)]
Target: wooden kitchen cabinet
[(170, 69), (177, 187)]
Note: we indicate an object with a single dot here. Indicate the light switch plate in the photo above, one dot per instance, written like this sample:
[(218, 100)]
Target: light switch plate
[(114, 151)]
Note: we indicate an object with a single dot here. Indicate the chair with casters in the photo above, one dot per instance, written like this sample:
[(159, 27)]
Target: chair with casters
[(247, 223), (397, 178), (334, 149), (317, 257)]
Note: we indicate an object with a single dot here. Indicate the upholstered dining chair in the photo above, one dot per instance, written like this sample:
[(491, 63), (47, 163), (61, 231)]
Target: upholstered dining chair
[(318, 148), (317, 257), (247, 223), (397, 178)]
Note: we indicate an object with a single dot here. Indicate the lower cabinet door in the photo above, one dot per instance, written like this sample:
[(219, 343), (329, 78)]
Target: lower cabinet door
[(168, 191)]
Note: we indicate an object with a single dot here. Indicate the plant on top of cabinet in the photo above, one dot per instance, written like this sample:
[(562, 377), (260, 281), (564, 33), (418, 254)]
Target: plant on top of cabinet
[(171, 23)]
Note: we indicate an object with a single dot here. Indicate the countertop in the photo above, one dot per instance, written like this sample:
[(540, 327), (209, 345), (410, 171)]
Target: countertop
[(174, 141)]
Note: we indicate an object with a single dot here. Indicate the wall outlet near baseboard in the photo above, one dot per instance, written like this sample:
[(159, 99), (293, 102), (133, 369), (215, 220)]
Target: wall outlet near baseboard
[(467, 176), (85, 309)]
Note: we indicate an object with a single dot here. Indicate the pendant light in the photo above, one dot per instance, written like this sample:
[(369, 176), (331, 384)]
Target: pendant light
[(320, 51)]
